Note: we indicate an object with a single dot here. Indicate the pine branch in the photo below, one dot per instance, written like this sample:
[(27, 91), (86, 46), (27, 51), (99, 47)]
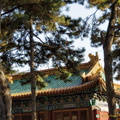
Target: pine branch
[(43, 44), (38, 38), (17, 7)]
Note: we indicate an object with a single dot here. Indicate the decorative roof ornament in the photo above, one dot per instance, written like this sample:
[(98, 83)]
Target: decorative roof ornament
[(94, 58), (95, 71)]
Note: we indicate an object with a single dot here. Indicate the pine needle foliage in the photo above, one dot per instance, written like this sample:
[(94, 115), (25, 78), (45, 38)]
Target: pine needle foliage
[(59, 31)]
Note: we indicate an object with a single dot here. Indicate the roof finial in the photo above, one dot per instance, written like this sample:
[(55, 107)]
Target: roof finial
[(94, 58)]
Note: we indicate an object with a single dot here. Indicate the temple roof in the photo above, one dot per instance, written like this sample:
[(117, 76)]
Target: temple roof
[(52, 84), (63, 90), (91, 75)]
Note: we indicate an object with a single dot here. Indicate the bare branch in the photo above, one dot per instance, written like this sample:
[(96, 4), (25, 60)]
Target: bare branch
[(38, 38), (91, 15), (43, 44)]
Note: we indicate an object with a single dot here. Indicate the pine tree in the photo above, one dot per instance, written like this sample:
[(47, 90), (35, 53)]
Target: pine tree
[(46, 18), (108, 39), (5, 97)]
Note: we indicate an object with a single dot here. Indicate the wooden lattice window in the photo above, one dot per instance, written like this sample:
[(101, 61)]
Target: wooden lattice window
[(74, 115), (26, 116), (43, 116), (16, 117), (66, 115), (58, 116), (83, 115)]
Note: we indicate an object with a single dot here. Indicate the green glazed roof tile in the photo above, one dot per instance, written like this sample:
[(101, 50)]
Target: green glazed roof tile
[(57, 83), (75, 80), (16, 87)]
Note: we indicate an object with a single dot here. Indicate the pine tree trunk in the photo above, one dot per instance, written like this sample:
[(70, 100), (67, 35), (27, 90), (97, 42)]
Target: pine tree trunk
[(107, 45), (0, 18), (5, 97), (33, 81), (0, 15)]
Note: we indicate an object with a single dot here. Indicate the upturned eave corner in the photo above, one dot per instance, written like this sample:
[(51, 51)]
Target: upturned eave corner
[(95, 69)]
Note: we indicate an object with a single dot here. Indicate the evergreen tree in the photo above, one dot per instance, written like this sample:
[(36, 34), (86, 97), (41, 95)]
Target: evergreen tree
[(5, 97), (20, 46), (109, 39)]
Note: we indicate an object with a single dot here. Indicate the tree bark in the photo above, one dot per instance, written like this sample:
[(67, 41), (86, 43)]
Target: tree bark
[(1, 6), (33, 81), (107, 46), (5, 97)]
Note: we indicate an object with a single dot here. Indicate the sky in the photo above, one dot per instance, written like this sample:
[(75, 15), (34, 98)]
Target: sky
[(78, 11), (75, 11)]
